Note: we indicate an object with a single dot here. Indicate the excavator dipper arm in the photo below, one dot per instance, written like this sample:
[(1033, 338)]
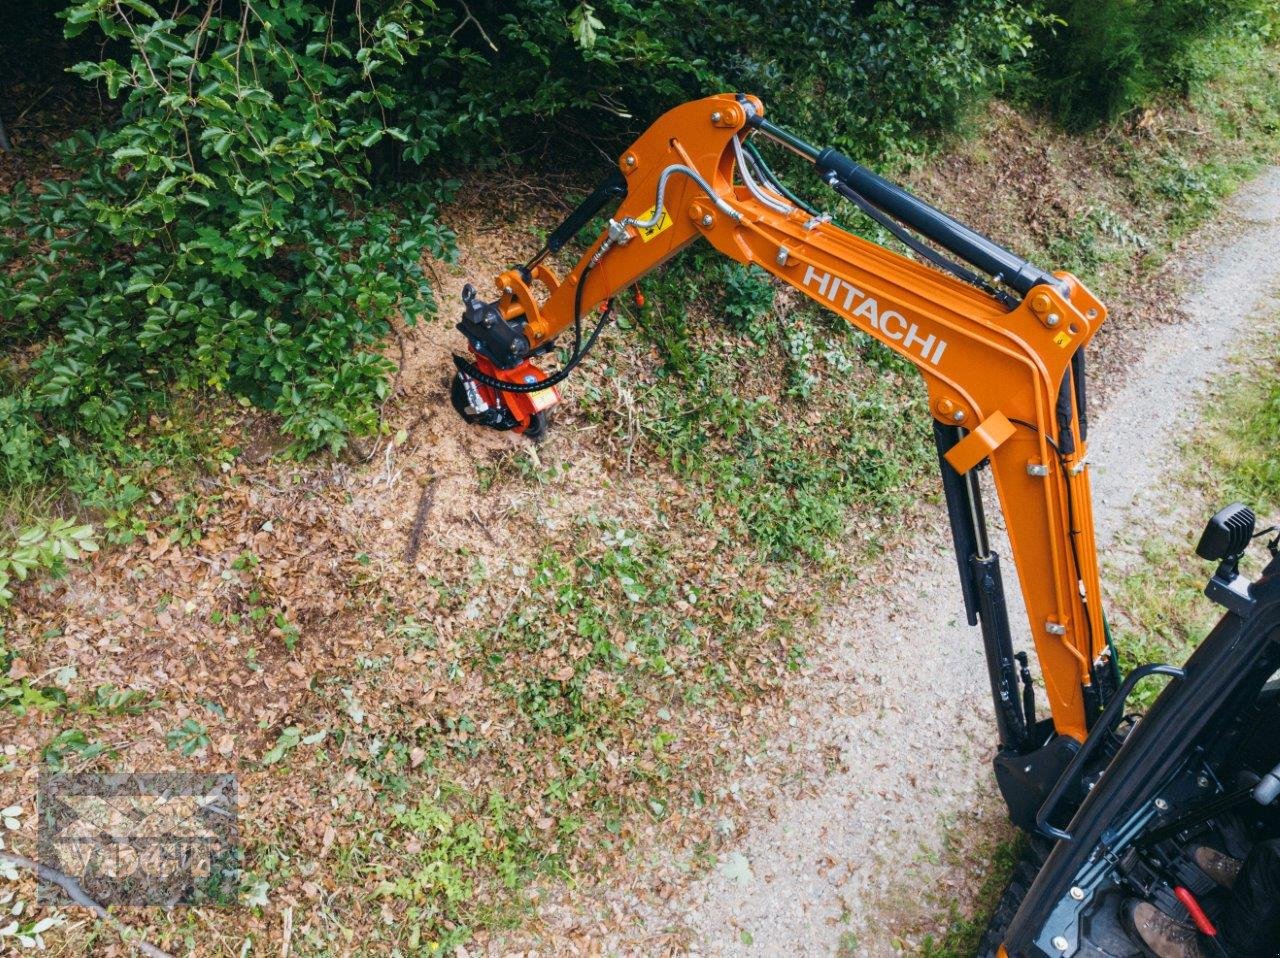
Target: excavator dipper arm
[(1003, 368)]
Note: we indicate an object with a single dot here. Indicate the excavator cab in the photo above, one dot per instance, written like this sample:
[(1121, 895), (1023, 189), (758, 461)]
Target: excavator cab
[(1111, 802), (1200, 770)]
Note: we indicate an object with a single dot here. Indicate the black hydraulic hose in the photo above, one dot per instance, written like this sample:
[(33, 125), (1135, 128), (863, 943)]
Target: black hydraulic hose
[(919, 248), (579, 350), (1028, 690), (612, 189), (1062, 409), (932, 256), (971, 246), (953, 236), (1080, 377)]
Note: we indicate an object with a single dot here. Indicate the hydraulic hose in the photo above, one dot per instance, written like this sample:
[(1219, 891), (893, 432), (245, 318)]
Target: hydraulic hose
[(772, 179), (579, 350), (893, 201), (919, 248)]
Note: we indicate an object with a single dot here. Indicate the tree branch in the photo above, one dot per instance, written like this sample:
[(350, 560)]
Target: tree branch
[(77, 895), (479, 26)]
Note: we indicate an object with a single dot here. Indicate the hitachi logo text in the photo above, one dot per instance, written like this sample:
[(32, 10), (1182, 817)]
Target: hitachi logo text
[(892, 325)]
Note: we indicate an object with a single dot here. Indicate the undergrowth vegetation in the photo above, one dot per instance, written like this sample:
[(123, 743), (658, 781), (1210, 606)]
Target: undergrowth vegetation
[(1105, 57), (221, 234), (722, 409), (246, 216)]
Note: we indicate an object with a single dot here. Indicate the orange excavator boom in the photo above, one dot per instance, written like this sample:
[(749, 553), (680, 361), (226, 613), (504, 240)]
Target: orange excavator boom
[(998, 341)]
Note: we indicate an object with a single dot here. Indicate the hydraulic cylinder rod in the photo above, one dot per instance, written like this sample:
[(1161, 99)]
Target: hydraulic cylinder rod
[(972, 247)]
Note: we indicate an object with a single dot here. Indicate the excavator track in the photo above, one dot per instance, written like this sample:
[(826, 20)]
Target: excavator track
[(1035, 851)]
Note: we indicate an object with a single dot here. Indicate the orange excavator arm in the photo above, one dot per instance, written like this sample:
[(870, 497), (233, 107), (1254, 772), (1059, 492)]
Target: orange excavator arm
[(1001, 355)]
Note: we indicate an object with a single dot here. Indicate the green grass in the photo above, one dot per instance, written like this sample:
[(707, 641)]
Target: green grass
[(786, 422), (1232, 457), (963, 935), (1242, 456), (1164, 613)]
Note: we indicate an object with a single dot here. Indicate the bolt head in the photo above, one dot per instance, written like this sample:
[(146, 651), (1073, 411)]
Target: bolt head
[(958, 416), (706, 219), (1162, 805), (1077, 893), (630, 161), (1061, 944), (1053, 319), (715, 117), (1203, 781)]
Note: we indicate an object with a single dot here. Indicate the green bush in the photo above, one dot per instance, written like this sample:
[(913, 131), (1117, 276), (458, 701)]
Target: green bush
[(234, 227), (231, 229), (1106, 57), (870, 77), (222, 234)]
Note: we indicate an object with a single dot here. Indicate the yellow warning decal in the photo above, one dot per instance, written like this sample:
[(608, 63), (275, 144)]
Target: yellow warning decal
[(652, 231), (1062, 340), (544, 398)]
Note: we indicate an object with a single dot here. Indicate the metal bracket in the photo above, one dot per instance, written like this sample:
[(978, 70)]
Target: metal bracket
[(1232, 594), (985, 439)]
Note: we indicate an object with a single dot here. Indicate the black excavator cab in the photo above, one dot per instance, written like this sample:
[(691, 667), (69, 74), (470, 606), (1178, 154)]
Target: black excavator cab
[(1200, 768)]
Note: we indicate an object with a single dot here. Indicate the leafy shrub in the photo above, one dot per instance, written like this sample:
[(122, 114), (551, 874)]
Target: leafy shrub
[(747, 296), (870, 77), (232, 227), (223, 234), (1108, 56), (47, 546)]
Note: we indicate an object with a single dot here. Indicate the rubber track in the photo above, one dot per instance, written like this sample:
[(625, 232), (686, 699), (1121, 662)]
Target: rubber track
[(1028, 866)]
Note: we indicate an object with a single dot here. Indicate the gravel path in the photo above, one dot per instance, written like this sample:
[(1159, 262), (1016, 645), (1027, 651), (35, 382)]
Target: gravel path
[(859, 849)]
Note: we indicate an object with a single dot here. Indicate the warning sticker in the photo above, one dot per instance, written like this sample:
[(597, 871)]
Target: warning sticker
[(1062, 340), (544, 398), (652, 231)]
